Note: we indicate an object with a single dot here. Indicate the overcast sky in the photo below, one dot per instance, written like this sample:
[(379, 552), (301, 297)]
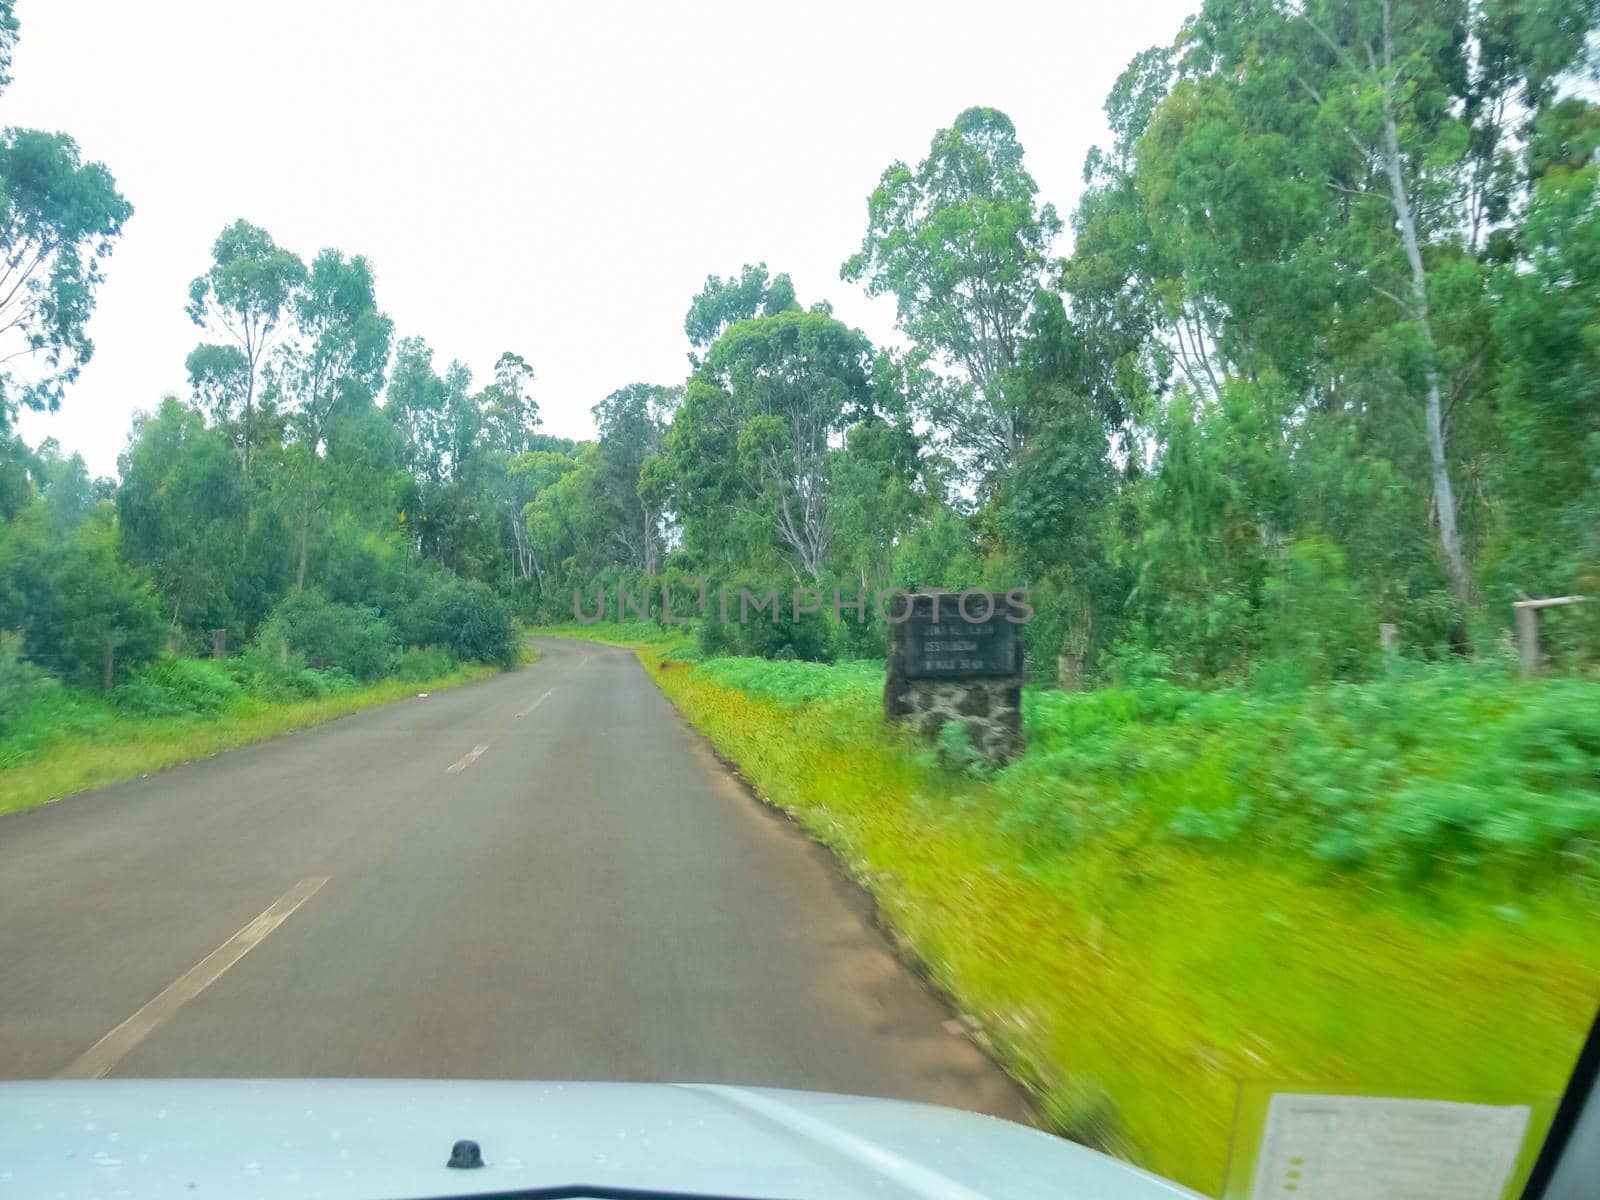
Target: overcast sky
[(556, 181)]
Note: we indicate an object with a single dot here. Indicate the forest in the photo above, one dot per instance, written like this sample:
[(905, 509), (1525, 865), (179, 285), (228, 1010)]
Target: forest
[(1321, 355)]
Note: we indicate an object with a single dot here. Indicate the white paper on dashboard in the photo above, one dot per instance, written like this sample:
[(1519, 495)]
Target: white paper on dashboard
[(1363, 1147)]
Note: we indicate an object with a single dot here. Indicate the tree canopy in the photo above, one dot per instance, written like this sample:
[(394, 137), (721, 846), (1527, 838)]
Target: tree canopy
[(1317, 351)]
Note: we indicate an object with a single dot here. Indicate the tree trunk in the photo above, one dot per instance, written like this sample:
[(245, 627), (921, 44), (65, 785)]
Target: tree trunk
[(305, 538), (1444, 496), (249, 436), (108, 665), (249, 408)]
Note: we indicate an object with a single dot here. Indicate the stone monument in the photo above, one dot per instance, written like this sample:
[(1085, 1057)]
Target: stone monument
[(958, 657)]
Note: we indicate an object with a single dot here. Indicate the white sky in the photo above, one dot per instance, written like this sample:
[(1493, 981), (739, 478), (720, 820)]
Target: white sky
[(554, 181)]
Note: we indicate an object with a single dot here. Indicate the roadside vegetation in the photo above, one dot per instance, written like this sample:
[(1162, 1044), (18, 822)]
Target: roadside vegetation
[(1387, 887), (311, 661), (61, 740), (276, 548)]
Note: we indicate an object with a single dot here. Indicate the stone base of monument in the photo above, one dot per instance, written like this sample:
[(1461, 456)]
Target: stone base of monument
[(991, 710), (949, 663)]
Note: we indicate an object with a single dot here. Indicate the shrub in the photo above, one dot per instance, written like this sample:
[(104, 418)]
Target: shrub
[(334, 680), (95, 608), (204, 686), (771, 633), (263, 674), (20, 681), (424, 662), (179, 687), (867, 639), (794, 684), (354, 639), (1433, 771), (462, 616), (1437, 769), (954, 750), (1315, 619)]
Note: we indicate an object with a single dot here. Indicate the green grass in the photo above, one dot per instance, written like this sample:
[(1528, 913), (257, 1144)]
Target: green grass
[(65, 740), (1145, 912)]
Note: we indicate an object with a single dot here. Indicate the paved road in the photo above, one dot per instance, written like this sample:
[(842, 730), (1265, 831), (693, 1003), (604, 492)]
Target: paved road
[(543, 875)]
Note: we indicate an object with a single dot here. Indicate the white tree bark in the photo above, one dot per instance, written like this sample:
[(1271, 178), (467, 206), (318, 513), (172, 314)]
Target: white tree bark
[(1443, 491)]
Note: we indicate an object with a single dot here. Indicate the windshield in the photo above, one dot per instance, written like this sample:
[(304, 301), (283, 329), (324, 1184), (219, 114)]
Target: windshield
[(1038, 560)]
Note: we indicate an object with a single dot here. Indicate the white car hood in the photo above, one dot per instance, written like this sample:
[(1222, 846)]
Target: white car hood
[(382, 1139)]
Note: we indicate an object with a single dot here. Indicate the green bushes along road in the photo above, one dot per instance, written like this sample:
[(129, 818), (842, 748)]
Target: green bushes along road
[(1382, 887)]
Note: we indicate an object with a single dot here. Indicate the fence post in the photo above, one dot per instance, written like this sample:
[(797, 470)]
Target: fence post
[(1527, 638), (1528, 629)]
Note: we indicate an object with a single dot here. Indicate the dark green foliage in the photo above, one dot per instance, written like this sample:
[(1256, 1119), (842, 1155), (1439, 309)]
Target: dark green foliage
[(59, 217), (423, 662), (1549, 321), (352, 638), (1436, 771), (180, 511), (762, 623), (461, 616), (1316, 623), (20, 681), (723, 302), (796, 684), (179, 687), (267, 674), (80, 608)]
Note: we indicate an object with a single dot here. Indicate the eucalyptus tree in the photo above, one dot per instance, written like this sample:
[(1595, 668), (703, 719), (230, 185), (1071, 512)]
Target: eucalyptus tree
[(632, 422), (59, 217), (328, 372), (1336, 177), (510, 418), (243, 297), (722, 302), (178, 508), (8, 40), (1547, 320), (567, 518), (415, 404), (761, 421), (962, 244), (529, 476)]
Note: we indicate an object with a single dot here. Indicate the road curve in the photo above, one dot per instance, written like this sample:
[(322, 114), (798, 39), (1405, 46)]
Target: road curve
[(545, 875)]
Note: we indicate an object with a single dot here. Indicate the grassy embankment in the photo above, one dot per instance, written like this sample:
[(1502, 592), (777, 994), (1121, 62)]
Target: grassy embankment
[(1386, 888), (61, 740)]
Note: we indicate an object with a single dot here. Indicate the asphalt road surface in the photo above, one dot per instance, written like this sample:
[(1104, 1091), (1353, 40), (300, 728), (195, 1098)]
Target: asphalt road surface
[(545, 875)]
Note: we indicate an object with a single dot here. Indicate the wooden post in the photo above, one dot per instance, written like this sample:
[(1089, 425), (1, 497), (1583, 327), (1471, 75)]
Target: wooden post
[(1069, 672), (1527, 639), (108, 665), (1389, 638), (1528, 629), (219, 643)]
